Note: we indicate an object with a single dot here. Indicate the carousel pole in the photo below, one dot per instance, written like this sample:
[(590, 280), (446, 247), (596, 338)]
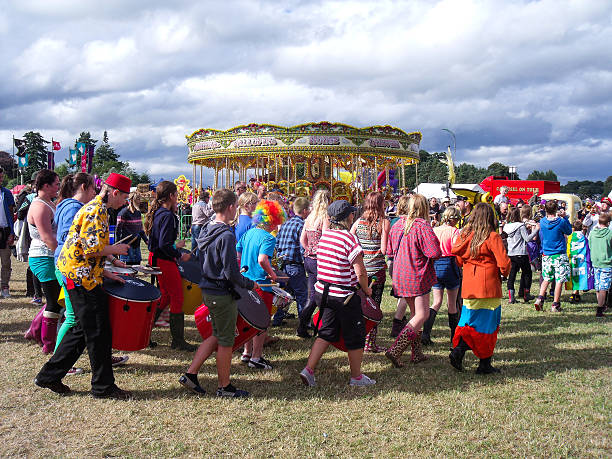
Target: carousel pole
[(201, 182), (416, 171), (376, 173), (216, 175), (387, 176)]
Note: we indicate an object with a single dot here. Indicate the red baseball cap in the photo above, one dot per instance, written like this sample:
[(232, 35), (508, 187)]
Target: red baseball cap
[(120, 182)]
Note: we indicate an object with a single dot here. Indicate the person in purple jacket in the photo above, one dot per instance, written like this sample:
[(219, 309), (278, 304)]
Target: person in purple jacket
[(555, 265)]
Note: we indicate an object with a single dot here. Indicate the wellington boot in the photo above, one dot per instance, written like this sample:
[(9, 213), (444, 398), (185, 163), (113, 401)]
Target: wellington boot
[(427, 326), (397, 326), (48, 331), (453, 320), (403, 340), (371, 345), (417, 351), (33, 333), (177, 330), (485, 367), (511, 297), (457, 354)]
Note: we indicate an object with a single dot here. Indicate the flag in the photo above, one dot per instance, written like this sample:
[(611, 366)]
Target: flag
[(20, 144), (22, 161), (51, 160), (56, 146), (81, 146), (72, 156), (83, 163), (90, 155)]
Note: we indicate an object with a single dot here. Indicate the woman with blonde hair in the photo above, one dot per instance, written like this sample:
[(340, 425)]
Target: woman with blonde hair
[(480, 250), (414, 246), (372, 231), (447, 273), (314, 225), (247, 202), (399, 319)]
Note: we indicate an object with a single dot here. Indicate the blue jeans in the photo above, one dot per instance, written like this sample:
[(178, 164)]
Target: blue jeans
[(195, 232), (297, 286)]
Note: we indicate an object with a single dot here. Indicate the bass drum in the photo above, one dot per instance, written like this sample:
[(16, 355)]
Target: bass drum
[(131, 307), (192, 293), (253, 318)]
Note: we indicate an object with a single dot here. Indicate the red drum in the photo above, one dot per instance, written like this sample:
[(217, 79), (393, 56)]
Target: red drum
[(372, 316), (131, 307), (253, 318)]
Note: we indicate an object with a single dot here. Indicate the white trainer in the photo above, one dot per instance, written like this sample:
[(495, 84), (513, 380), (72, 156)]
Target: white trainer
[(363, 381), (308, 378)]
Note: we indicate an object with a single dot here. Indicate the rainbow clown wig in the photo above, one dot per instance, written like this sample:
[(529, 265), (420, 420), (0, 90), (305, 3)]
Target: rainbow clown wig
[(269, 214)]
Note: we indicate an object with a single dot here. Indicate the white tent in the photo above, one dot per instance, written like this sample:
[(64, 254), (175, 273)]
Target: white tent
[(434, 190)]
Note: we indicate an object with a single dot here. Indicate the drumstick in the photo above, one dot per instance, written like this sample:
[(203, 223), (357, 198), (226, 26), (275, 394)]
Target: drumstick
[(348, 298), (127, 237), (273, 284), (282, 277)]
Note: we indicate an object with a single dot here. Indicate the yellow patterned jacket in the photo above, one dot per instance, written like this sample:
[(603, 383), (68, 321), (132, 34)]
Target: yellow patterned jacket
[(88, 234)]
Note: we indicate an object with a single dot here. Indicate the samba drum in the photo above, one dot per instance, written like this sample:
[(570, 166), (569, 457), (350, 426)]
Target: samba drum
[(117, 270), (282, 298), (253, 318), (372, 316), (191, 274), (131, 307)]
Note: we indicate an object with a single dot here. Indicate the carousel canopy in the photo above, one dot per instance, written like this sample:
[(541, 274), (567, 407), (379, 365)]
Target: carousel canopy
[(383, 144)]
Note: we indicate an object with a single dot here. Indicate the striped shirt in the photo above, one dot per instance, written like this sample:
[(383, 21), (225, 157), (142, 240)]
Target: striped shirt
[(337, 251), (373, 258)]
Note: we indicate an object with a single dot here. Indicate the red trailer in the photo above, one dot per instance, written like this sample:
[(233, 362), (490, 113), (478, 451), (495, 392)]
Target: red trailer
[(519, 189)]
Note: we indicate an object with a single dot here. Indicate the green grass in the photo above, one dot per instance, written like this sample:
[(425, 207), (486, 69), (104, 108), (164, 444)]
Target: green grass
[(550, 400)]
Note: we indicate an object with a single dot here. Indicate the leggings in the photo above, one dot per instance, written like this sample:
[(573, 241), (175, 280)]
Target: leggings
[(51, 289), (70, 319), (170, 285), (33, 284), (520, 262)]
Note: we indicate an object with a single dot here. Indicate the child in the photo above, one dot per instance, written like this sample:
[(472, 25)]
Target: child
[(480, 250), (555, 265), (288, 249), (581, 275), (600, 243), (217, 246), (255, 249), (518, 236)]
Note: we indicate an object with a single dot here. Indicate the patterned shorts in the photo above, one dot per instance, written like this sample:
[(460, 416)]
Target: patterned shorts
[(555, 267), (603, 278)]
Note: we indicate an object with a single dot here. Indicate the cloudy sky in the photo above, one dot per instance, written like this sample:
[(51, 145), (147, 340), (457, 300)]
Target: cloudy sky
[(528, 83)]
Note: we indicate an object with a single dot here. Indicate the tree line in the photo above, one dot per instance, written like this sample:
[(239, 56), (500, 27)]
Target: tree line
[(105, 159)]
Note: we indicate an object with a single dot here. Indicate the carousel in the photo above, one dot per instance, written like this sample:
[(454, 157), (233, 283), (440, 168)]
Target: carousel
[(299, 160)]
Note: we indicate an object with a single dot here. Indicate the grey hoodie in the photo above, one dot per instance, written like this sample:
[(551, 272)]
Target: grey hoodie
[(219, 261), (518, 238)]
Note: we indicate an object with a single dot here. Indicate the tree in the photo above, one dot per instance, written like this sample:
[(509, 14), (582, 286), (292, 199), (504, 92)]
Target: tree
[(8, 164), (105, 153), (469, 173), (541, 175), (584, 188), (37, 154), (499, 169), (607, 186)]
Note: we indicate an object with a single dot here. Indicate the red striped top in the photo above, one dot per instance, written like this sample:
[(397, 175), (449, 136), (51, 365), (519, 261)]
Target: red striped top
[(337, 251)]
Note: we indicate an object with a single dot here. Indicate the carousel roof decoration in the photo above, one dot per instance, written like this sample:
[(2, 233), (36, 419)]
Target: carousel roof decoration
[(300, 159)]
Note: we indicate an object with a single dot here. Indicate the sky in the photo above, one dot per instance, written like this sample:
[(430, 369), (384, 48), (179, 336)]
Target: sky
[(526, 83)]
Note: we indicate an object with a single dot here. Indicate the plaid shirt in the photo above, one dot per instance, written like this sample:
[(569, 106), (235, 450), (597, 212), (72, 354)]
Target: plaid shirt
[(413, 269), (288, 246)]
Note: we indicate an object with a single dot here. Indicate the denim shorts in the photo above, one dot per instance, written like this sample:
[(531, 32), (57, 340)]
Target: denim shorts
[(448, 273), (603, 278)]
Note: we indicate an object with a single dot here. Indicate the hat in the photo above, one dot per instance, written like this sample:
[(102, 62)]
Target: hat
[(446, 199), (461, 198), (607, 201), (120, 182), (339, 210)]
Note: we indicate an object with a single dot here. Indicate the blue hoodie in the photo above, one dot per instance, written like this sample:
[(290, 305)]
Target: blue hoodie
[(552, 235), (64, 214)]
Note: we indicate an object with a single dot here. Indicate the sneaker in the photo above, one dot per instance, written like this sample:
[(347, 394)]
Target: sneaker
[(363, 381), (36, 300), (114, 393), (260, 364), (538, 303), (6, 293), (75, 371), (232, 392), (119, 360), (308, 378), (57, 386), (192, 386), (556, 307), (303, 333), (245, 358)]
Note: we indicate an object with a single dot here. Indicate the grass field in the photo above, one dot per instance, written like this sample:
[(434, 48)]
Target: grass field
[(552, 398)]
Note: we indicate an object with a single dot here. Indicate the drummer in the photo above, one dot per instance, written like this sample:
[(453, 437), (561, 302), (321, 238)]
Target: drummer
[(81, 262), (217, 245), (340, 270)]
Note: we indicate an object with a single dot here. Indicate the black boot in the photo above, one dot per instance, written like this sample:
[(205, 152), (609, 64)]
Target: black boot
[(177, 330), (511, 297), (485, 367), (453, 320), (153, 344), (427, 326), (398, 326), (457, 354)]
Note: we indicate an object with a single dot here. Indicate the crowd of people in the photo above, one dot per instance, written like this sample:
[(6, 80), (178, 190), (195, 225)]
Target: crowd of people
[(327, 251)]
